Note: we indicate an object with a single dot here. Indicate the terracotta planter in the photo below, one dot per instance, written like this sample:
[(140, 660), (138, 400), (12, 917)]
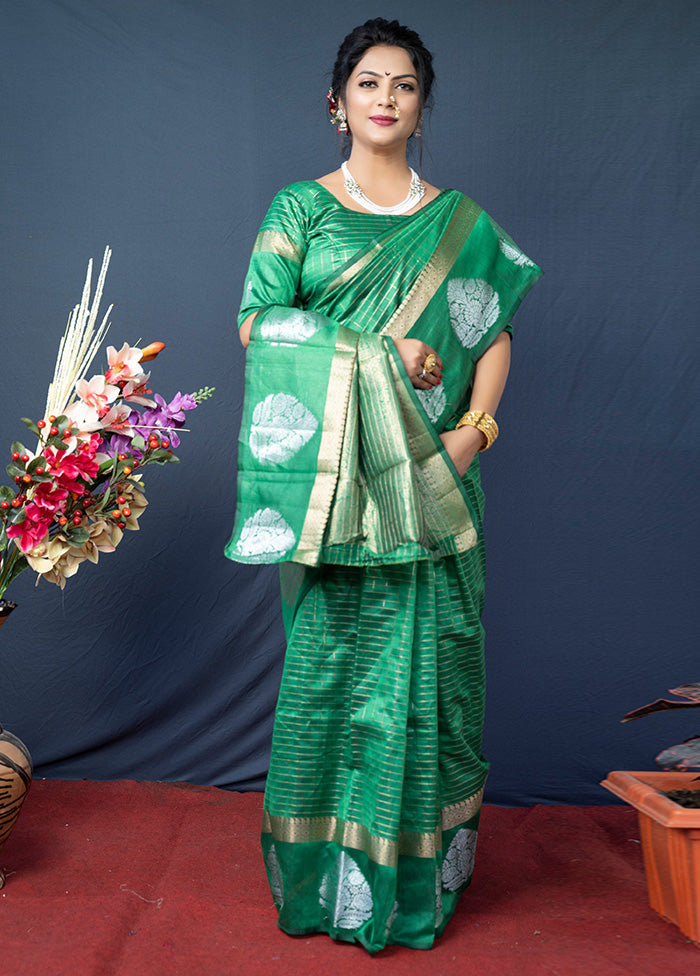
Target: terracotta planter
[(15, 768), (670, 837)]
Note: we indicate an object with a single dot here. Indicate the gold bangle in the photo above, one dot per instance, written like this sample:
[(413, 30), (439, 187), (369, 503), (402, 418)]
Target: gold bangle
[(483, 422)]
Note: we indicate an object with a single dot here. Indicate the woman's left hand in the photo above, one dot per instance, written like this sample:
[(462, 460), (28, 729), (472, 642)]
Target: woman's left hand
[(413, 353), (462, 446)]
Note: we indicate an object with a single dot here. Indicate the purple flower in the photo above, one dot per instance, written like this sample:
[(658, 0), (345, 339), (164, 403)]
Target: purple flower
[(166, 417)]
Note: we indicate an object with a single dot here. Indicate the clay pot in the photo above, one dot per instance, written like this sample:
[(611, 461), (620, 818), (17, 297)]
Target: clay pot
[(670, 836), (15, 768), (15, 779)]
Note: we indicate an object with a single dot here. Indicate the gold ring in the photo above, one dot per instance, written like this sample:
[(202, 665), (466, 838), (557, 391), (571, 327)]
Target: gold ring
[(430, 362)]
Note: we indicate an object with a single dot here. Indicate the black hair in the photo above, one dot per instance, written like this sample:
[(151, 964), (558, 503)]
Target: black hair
[(391, 33)]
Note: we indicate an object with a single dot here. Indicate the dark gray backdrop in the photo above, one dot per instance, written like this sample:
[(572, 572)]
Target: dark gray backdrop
[(163, 127)]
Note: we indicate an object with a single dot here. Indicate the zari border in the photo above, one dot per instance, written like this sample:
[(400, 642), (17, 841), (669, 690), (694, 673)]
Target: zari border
[(275, 242), (436, 270), (339, 383), (381, 850)]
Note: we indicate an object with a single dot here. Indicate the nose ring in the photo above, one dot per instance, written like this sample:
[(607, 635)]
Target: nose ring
[(397, 110)]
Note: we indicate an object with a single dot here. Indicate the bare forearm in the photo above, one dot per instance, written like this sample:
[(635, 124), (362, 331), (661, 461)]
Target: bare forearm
[(490, 375)]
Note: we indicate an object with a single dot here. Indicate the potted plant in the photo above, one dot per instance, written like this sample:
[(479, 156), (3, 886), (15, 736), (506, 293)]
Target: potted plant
[(668, 806)]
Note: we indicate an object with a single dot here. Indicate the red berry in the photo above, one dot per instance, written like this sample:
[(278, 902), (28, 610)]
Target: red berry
[(86, 502), (39, 470), (120, 499), (16, 503), (126, 512), (52, 418), (53, 431), (122, 525), (127, 470), (116, 513), (165, 442), (63, 520), (25, 458), (15, 455), (27, 479), (17, 478), (121, 457), (76, 520), (136, 464), (41, 424), (4, 504)]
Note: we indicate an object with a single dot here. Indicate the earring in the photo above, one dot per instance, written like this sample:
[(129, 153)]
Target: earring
[(338, 117), (418, 131)]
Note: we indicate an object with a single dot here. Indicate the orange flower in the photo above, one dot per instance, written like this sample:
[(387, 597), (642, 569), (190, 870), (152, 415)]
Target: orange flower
[(150, 351)]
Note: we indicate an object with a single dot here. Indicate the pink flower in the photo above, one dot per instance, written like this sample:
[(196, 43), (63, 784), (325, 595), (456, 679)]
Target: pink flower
[(117, 419), (135, 390), (49, 497), (97, 393), (83, 421), (123, 365), (66, 468), (32, 530)]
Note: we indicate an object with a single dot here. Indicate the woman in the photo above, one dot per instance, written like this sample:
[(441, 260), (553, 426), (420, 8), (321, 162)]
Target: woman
[(377, 313)]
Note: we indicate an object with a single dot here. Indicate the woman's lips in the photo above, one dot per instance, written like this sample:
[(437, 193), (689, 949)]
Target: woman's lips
[(382, 119)]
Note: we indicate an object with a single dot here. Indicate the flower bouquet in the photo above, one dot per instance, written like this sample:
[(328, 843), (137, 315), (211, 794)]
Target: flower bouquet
[(80, 487)]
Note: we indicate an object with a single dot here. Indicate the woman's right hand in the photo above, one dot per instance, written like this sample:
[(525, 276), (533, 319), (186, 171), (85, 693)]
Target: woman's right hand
[(413, 354)]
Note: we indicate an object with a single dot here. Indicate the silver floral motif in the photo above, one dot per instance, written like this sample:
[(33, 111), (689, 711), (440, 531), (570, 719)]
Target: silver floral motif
[(515, 255), (345, 894), (264, 534), (281, 426), (439, 917), (291, 328), (433, 401), (458, 863), (274, 874), (392, 918), (474, 308)]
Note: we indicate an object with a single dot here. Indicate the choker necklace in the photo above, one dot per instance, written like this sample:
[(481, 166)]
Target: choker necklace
[(416, 192)]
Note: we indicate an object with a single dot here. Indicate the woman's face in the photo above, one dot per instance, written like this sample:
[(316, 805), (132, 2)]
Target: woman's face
[(384, 73)]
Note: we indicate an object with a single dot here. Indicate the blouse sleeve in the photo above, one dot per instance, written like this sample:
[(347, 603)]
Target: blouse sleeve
[(278, 254)]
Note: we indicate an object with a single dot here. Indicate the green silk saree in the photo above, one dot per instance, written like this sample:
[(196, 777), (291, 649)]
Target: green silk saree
[(376, 777)]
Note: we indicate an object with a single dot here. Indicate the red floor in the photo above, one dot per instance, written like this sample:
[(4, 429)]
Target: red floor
[(145, 879)]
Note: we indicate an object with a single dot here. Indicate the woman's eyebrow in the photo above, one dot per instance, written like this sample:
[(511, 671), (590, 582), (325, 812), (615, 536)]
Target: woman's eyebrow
[(375, 74)]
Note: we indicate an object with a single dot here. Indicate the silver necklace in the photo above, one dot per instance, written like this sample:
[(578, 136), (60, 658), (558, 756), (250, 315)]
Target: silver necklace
[(416, 191)]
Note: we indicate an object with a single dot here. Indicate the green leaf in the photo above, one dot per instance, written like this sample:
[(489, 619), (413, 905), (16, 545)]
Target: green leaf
[(162, 457), (16, 515), (31, 425), (19, 447), (107, 466), (138, 442), (14, 471), (6, 494), (18, 567), (3, 538), (76, 536)]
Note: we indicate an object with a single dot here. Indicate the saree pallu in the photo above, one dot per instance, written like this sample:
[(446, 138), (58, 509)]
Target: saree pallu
[(374, 791)]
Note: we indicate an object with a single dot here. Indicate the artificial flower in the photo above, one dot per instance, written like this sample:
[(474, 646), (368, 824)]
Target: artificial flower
[(97, 393), (124, 364), (32, 530)]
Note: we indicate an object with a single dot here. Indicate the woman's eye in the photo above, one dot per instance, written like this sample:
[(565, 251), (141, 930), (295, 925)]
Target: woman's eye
[(367, 83), (406, 85)]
